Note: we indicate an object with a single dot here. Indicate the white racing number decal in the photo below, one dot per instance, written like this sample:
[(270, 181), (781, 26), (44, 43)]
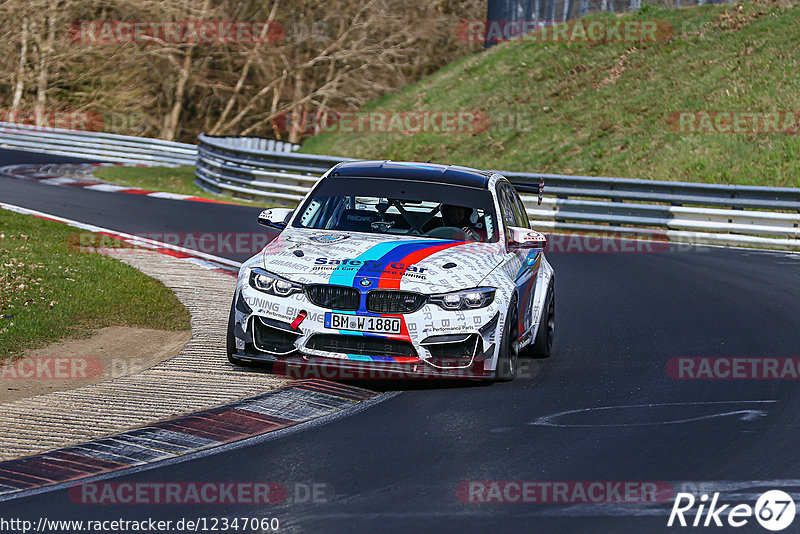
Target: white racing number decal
[(362, 323)]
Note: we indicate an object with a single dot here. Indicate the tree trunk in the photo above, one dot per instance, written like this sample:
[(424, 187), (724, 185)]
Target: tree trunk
[(170, 130), (23, 58), (45, 51), (171, 121), (295, 133), (243, 76)]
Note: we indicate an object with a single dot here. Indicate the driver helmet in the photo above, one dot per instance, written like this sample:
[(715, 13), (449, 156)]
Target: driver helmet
[(457, 216)]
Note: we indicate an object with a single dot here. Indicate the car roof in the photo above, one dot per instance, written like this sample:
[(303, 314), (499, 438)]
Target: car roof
[(410, 170)]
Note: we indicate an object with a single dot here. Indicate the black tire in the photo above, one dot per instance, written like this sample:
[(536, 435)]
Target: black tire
[(508, 361), (230, 344), (542, 346), (230, 341)]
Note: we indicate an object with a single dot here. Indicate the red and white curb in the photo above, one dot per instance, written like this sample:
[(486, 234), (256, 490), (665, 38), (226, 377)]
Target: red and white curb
[(207, 261), (81, 175), (276, 409)]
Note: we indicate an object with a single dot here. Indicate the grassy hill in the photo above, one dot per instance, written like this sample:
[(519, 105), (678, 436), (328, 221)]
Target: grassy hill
[(51, 289), (610, 108)]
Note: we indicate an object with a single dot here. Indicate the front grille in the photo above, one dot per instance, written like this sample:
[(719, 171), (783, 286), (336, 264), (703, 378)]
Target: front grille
[(394, 301), (273, 339), (362, 345), (333, 297)]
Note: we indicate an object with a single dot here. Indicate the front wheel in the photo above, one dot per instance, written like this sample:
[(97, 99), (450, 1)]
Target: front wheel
[(509, 354), (543, 344), (230, 340)]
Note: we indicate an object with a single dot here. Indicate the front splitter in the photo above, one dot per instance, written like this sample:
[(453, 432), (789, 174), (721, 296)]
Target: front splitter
[(300, 366)]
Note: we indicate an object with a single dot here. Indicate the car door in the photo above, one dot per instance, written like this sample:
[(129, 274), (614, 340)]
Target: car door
[(527, 260)]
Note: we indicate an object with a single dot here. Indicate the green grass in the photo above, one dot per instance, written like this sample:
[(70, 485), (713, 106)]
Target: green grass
[(604, 108), (51, 290), (167, 179)]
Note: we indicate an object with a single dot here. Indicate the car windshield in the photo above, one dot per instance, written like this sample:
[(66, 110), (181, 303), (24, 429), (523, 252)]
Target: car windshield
[(400, 207)]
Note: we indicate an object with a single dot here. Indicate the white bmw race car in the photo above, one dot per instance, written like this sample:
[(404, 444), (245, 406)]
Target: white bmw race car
[(393, 269)]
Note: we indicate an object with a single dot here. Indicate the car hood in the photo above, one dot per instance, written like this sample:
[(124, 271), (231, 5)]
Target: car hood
[(379, 260)]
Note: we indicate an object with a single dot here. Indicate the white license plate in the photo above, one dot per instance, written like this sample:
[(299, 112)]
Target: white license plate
[(362, 323)]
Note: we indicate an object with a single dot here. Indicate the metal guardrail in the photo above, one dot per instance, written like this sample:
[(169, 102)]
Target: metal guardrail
[(97, 146), (677, 211), (271, 170), (228, 164)]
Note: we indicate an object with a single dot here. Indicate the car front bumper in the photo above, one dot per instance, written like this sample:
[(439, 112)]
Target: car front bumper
[(300, 366), (474, 335)]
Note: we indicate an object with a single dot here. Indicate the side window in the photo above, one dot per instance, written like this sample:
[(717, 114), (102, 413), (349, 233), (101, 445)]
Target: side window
[(506, 208), (513, 209), (519, 209)]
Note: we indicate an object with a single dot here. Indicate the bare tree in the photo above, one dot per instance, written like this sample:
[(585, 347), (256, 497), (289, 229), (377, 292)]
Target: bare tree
[(335, 55), (19, 84)]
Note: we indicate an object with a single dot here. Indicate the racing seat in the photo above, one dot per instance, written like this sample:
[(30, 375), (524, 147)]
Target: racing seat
[(357, 220)]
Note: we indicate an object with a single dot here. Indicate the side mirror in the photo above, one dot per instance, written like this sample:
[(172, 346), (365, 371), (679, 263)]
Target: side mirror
[(275, 218), (520, 238)]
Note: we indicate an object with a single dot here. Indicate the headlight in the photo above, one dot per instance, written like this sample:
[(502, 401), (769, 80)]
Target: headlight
[(468, 299), (274, 285)]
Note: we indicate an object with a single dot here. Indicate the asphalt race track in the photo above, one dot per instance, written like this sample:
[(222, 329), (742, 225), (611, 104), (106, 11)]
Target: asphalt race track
[(603, 409), (127, 213)]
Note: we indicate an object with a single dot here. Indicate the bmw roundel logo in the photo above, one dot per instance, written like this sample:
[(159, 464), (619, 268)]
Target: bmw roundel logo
[(365, 282)]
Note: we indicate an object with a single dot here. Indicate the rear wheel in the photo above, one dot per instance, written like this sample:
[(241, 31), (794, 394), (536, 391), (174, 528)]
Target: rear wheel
[(543, 344), (509, 353)]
